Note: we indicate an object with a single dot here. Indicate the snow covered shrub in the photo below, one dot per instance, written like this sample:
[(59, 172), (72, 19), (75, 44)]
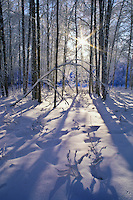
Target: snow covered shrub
[(95, 159), (94, 155)]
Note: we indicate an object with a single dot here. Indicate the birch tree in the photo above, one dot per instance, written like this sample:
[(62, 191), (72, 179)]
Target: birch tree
[(91, 52), (23, 47), (65, 49), (115, 36), (96, 62), (28, 44), (4, 50), (33, 56), (57, 45), (104, 66), (38, 51), (1, 77), (48, 32), (76, 43), (129, 48)]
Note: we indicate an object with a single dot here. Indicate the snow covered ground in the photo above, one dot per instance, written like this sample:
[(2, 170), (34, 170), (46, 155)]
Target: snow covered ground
[(80, 151)]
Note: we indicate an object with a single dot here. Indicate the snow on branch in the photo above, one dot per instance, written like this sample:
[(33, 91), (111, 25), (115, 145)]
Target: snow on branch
[(49, 72)]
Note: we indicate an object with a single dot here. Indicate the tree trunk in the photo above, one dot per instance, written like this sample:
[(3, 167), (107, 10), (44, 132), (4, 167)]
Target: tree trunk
[(38, 51), (4, 51), (10, 65), (131, 32), (34, 68), (104, 67), (1, 79), (19, 50), (65, 52), (114, 38), (131, 74), (28, 45), (115, 64), (48, 39), (101, 35), (96, 63), (57, 40), (91, 53), (23, 47), (76, 43)]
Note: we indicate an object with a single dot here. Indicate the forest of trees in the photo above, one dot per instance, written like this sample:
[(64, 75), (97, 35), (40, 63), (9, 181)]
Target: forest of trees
[(79, 43)]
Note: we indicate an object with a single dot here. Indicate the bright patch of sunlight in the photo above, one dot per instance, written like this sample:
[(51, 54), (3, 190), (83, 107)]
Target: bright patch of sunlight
[(82, 41)]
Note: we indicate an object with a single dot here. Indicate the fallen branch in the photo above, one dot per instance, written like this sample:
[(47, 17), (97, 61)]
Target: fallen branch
[(42, 77)]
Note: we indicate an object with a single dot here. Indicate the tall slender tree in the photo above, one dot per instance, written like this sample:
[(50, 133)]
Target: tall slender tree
[(34, 67), (19, 47), (65, 50), (28, 44), (4, 50), (57, 45), (96, 62), (129, 48), (9, 61), (101, 35), (105, 53), (1, 77), (91, 52), (76, 44), (23, 47), (38, 51), (115, 36), (48, 27), (131, 32)]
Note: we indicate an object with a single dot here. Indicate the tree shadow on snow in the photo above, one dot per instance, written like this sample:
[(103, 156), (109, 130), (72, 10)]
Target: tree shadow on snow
[(116, 132), (75, 190), (106, 190)]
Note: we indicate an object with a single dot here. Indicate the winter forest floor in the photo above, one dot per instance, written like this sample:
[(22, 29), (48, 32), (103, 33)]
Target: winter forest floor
[(80, 151)]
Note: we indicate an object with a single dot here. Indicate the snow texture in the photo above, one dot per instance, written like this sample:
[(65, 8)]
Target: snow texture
[(79, 151)]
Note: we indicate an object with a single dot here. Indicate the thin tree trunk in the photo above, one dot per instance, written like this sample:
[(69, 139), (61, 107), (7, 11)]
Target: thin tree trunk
[(48, 39), (91, 56), (114, 38), (104, 67), (96, 63), (128, 59), (38, 51), (101, 36), (23, 47), (10, 48), (131, 74), (57, 40), (19, 49), (65, 52), (1, 79), (34, 68), (131, 32), (28, 45), (115, 64), (76, 43), (51, 76), (4, 51)]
